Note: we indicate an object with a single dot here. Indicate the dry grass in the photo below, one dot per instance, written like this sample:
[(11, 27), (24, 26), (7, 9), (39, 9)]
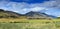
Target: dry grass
[(26, 20), (30, 24)]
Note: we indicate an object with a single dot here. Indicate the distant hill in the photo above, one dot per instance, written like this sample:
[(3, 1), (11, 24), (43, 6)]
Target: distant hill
[(58, 17), (38, 15), (8, 14), (34, 15)]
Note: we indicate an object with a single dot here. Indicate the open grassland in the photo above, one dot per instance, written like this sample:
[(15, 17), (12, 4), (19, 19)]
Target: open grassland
[(26, 20), (26, 26), (29, 24)]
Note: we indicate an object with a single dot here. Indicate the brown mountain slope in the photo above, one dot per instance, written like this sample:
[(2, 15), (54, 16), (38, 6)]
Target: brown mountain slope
[(8, 14)]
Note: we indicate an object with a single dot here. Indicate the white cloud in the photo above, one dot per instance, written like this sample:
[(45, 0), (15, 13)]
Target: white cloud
[(25, 7), (20, 7), (37, 8), (52, 4)]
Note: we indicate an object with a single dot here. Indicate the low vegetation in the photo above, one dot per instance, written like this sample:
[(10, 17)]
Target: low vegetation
[(14, 21), (31, 24), (58, 17)]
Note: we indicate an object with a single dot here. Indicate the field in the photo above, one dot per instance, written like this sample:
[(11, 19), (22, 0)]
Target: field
[(29, 24)]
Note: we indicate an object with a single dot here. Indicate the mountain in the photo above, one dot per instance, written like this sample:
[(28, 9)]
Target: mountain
[(48, 15), (8, 14), (32, 14), (38, 15)]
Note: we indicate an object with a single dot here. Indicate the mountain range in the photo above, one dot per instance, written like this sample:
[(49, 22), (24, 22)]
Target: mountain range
[(7, 14), (10, 14), (38, 15)]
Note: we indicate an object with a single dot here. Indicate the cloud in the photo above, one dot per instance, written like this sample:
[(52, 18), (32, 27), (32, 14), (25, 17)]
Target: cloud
[(52, 4), (23, 7), (13, 6), (19, 7), (49, 4), (37, 8)]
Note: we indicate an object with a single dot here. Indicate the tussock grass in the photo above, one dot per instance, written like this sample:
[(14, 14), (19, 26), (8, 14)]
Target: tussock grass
[(29, 24)]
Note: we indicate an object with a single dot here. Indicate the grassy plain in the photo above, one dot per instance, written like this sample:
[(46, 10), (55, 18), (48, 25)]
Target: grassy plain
[(29, 24)]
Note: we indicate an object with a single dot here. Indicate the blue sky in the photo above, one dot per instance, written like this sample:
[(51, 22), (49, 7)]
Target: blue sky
[(29, 1), (50, 7)]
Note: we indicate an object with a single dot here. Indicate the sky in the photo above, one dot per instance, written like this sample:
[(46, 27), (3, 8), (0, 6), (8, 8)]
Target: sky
[(50, 7)]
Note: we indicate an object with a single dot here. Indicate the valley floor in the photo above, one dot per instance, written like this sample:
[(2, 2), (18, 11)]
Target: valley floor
[(29, 24)]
